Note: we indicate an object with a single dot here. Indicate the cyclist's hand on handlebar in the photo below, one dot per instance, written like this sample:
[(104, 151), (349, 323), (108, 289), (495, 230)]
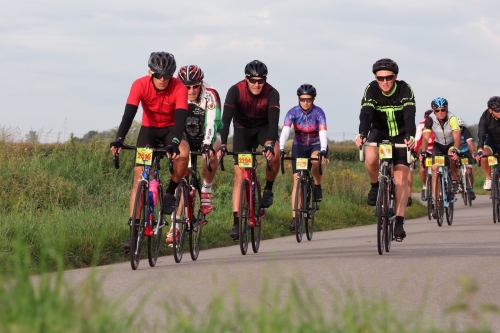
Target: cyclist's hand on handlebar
[(222, 152), (360, 139), (478, 155), (454, 153), (208, 149), (324, 156), (116, 145), (268, 151), (410, 141), (173, 149), (282, 153), (423, 156)]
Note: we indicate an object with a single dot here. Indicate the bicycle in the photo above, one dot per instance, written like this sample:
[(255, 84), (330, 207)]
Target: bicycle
[(386, 193), (464, 181), (251, 214), (444, 202), (151, 221), (304, 207), (495, 186), (186, 199)]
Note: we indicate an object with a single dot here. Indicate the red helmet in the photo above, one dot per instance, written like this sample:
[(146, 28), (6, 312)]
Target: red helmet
[(190, 75)]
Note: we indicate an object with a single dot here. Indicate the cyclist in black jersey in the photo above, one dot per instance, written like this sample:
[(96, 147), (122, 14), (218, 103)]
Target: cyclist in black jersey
[(488, 133), (388, 113)]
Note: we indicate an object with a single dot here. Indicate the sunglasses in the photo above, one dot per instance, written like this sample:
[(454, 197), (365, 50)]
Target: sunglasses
[(385, 78), (496, 110), (440, 110), (306, 100), (256, 81), (161, 75), (196, 86)]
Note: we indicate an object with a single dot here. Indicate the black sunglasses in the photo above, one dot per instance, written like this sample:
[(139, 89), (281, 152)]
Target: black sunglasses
[(306, 100), (440, 110), (386, 78), (496, 110), (256, 81), (161, 75)]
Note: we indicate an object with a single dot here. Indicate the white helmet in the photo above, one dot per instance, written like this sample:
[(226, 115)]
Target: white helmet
[(460, 122)]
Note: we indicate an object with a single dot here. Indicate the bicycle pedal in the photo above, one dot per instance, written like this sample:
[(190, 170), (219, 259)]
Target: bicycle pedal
[(398, 239)]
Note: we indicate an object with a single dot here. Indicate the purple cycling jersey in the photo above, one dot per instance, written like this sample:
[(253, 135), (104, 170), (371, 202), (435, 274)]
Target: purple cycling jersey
[(306, 125)]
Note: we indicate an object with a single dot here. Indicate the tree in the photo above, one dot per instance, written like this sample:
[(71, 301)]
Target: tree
[(32, 137)]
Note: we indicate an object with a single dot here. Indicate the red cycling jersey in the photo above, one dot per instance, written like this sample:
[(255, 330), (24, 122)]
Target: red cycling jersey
[(158, 106), (418, 138)]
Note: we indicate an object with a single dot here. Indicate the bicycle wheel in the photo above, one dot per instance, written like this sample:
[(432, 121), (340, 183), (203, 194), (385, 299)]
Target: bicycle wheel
[(390, 217), (300, 203), (439, 204), (468, 186), (429, 196), (157, 225), (494, 195), (259, 216), (311, 210), (244, 216), (451, 201), (179, 221), (195, 237), (381, 207), (137, 227)]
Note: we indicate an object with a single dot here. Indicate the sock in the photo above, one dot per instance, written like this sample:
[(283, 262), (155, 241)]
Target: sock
[(375, 185), (172, 224), (400, 219), (171, 187), (269, 185), (424, 187), (206, 188), (236, 218)]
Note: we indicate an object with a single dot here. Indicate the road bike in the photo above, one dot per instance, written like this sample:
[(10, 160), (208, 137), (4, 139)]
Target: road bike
[(304, 207), (147, 219), (444, 199), (386, 193), (251, 214), (464, 181), (188, 218)]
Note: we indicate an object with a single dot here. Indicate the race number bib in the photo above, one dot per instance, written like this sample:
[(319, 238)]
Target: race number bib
[(465, 161), (245, 160), (428, 161), (492, 160), (144, 156), (439, 160), (384, 151), (301, 163)]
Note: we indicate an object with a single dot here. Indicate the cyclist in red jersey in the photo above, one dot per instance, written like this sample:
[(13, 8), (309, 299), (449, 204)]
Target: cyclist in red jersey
[(164, 103), (255, 106)]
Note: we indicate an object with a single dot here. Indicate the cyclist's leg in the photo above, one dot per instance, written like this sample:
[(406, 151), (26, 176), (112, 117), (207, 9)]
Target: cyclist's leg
[(410, 186), (296, 152), (422, 172), (262, 136), (401, 170), (208, 178), (318, 191), (372, 165)]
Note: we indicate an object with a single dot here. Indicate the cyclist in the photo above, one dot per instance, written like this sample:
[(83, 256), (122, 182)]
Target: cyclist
[(202, 126), (255, 106), (467, 150), (164, 103), (444, 125), (422, 171), (388, 108), (309, 122), (488, 133)]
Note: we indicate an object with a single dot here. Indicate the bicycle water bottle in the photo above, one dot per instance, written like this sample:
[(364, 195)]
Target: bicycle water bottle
[(153, 189)]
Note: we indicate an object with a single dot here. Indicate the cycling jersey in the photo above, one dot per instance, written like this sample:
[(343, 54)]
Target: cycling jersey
[(465, 137), (310, 128), (443, 132), (251, 111), (392, 114), (489, 126), (204, 119), (418, 137)]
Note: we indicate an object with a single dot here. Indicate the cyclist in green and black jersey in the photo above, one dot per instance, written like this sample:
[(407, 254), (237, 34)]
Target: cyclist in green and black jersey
[(388, 113)]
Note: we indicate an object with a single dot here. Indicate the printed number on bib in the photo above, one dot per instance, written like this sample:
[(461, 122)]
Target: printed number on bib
[(245, 160), (144, 156), (439, 160), (301, 163), (384, 151), (465, 161), (428, 161), (492, 160)]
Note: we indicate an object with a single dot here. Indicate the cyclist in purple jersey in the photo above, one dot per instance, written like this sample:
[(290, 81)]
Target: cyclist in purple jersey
[(310, 139)]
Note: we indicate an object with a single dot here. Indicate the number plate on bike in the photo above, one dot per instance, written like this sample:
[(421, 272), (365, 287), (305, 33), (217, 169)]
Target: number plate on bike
[(439, 160), (245, 160), (301, 163), (465, 161), (144, 156), (384, 151), (492, 160), (428, 161)]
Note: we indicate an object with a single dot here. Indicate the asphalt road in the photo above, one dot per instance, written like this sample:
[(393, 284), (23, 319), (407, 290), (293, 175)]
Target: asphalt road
[(422, 271)]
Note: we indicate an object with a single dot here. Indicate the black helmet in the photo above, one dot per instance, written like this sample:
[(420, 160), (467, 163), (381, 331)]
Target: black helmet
[(306, 89), (385, 64), (256, 68), (162, 63), (439, 102), (494, 102)]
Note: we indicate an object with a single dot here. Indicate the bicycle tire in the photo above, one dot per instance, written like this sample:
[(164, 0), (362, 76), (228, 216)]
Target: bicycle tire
[(497, 188), (494, 195), (469, 188), (195, 236), (463, 185), (439, 204), (137, 229), (179, 222), (158, 223), (381, 206), (389, 227), (300, 198), (429, 196), (451, 201), (244, 215), (311, 210), (256, 231)]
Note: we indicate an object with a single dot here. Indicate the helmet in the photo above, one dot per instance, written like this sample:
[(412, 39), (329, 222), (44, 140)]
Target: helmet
[(439, 102), (494, 102), (427, 113), (190, 75), (162, 63), (306, 89), (460, 122), (256, 68), (385, 64)]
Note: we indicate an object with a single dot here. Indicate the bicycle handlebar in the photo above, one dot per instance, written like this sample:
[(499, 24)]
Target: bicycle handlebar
[(319, 159), (254, 153), (395, 145), (116, 156)]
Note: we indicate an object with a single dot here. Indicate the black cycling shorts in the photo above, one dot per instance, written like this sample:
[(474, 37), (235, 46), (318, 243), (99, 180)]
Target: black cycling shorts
[(246, 139), (440, 149), (398, 154), (303, 151)]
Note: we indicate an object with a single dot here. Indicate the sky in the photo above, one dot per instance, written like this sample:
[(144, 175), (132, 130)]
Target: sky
[(67, 66)]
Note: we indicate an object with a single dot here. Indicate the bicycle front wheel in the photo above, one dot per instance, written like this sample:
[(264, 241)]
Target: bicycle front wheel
[(157, 224), (244, 216), (468, 186), (439, 204), (180, 221), (195, 237), (382, 212), (300, 204), (451, 202), (311, 210), (138, 224), (429, 196), (259, 216), (494, 195)]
